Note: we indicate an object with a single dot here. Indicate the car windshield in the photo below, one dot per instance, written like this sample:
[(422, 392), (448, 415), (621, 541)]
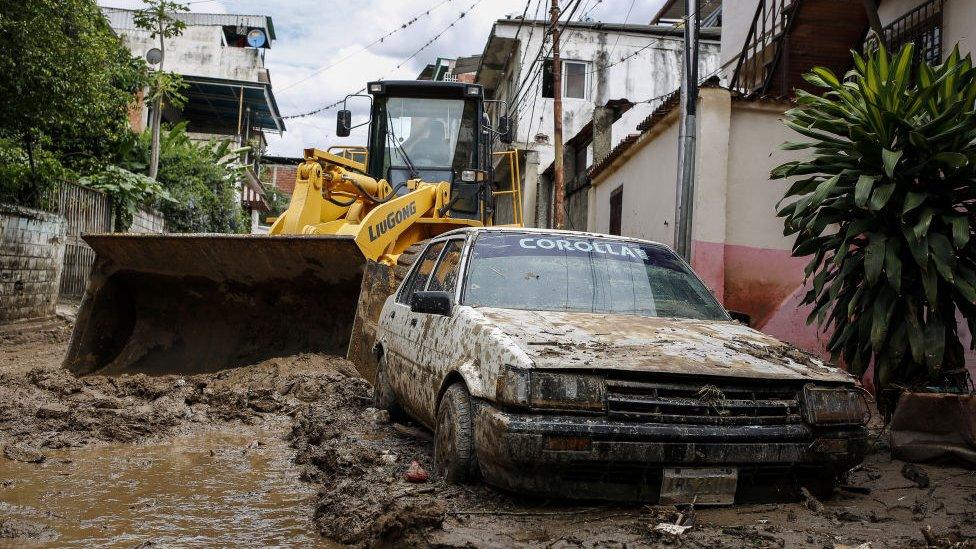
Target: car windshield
[(569, 273)]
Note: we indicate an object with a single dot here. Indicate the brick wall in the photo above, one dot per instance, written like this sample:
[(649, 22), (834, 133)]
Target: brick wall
[(281, 176), (31, 254)]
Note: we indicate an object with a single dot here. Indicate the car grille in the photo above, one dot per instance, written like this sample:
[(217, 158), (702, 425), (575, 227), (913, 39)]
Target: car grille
[(703, 404)]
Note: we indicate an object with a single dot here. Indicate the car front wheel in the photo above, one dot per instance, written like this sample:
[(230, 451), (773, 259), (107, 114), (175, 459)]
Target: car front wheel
[(454, 456)]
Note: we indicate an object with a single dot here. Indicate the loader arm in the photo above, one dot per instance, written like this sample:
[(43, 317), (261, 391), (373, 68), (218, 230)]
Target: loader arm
[(333, 196)]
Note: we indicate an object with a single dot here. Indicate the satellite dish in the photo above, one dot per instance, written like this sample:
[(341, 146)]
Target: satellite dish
[(256, 38), (154, 56)]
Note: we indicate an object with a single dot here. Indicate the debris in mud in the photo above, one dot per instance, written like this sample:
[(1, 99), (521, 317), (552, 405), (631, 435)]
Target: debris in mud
[(365, 498), (416, 473), (915, 474), (21, 452), (25, 530)]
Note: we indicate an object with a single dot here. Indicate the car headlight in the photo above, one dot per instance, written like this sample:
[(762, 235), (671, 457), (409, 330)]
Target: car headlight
[(835, 406), (527, 388)]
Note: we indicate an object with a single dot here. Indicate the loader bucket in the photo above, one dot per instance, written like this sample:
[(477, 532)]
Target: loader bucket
[(195, 303)]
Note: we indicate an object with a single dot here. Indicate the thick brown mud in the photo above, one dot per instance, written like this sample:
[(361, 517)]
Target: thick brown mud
[(289, 452)]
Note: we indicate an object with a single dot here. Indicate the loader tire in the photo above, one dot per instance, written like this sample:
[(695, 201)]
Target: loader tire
[(406, 260), (454, 454), (383, 396)]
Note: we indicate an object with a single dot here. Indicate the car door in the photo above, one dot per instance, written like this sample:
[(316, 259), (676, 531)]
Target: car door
[(438, 341), (403, 346)]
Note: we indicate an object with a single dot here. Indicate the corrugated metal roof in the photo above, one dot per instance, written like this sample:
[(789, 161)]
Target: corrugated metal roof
[(120, 18)]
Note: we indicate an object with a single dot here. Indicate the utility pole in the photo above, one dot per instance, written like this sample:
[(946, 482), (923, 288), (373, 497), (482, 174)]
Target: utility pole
[(685, 196), (558, 186)]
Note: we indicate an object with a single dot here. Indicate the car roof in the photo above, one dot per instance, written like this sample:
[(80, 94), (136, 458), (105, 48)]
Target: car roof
[(554, 232)]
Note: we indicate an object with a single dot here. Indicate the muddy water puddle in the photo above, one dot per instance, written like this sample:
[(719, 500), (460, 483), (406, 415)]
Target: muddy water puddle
[(213, 487)]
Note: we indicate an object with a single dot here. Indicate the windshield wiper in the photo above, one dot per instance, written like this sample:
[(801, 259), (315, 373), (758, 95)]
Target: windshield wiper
[(414, 174)]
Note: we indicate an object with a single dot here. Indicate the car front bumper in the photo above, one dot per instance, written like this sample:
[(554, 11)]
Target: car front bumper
[(593, 457)]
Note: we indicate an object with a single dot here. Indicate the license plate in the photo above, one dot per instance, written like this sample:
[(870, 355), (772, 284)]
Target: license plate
[(715, 486)]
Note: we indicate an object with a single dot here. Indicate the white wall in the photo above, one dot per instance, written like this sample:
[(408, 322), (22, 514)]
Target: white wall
[(647, 173), (755, 135)]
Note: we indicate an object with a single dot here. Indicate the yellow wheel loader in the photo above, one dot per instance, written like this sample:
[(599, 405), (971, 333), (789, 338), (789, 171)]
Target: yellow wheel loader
[(192, 303)]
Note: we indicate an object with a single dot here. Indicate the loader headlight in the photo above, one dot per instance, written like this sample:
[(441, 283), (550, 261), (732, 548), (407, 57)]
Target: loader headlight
[(473, 91), (540, 390), (835, 406), (376, 87), (471, 176)]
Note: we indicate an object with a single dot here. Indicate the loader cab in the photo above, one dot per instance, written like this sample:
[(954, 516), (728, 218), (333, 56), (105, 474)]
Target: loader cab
[(434, 131)]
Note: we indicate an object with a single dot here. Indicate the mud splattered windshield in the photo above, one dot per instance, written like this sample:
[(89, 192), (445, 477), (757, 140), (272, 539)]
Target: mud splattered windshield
[(563, 273)]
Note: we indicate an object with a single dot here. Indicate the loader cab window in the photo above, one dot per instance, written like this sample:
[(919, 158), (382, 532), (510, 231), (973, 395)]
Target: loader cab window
[(417, 280), (427, 138)]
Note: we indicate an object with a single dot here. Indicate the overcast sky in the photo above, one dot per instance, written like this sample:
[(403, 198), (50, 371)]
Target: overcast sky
[(313, 34)]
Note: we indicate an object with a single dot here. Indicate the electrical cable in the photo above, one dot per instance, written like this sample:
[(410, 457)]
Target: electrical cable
[(378, 40), (398, 65)]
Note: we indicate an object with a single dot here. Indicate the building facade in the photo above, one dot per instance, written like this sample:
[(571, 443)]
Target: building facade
[(608, 70), (228, 95)]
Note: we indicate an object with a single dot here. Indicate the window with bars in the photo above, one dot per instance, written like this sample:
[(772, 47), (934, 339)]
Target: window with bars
[(923, 26)]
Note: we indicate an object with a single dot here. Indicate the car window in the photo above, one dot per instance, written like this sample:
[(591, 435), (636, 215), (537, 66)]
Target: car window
[(446, 273), (579, 273), (418, 278)]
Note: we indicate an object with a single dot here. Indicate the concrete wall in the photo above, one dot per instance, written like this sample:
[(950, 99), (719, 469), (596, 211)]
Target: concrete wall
[(31, 255), (200, 51)]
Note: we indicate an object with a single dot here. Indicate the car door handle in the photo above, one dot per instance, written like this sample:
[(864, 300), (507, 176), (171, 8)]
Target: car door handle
[(413, 322)]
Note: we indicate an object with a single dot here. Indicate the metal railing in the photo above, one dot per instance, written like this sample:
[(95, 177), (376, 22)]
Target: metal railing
[(922, 25), (86, 211), (763, 46), (515, 178)]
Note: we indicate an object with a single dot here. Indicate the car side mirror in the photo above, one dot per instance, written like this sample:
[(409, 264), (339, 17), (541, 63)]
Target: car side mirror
[(343, 123), (505, 130), (434, 303)]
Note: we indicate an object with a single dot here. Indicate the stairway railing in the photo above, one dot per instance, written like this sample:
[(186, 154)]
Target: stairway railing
[(763, 47)]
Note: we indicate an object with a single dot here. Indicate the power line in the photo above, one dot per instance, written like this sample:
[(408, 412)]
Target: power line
[(378, 40), (430, 42)]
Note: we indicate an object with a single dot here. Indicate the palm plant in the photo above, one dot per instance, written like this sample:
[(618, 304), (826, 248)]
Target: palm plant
[(885, 207)]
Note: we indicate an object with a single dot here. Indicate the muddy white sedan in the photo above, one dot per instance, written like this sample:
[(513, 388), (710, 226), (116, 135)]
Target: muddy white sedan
[(590, 366)]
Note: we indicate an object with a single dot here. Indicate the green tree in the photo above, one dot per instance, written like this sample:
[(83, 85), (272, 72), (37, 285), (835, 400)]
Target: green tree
[(67, 84), (160, 20), (885, 204), (199, 178)]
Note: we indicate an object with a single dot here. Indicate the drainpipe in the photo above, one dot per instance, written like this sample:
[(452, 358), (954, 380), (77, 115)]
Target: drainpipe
[(685, 195)]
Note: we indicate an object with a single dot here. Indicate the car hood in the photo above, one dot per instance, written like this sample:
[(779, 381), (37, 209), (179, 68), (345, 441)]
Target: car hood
[(664, 345)]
